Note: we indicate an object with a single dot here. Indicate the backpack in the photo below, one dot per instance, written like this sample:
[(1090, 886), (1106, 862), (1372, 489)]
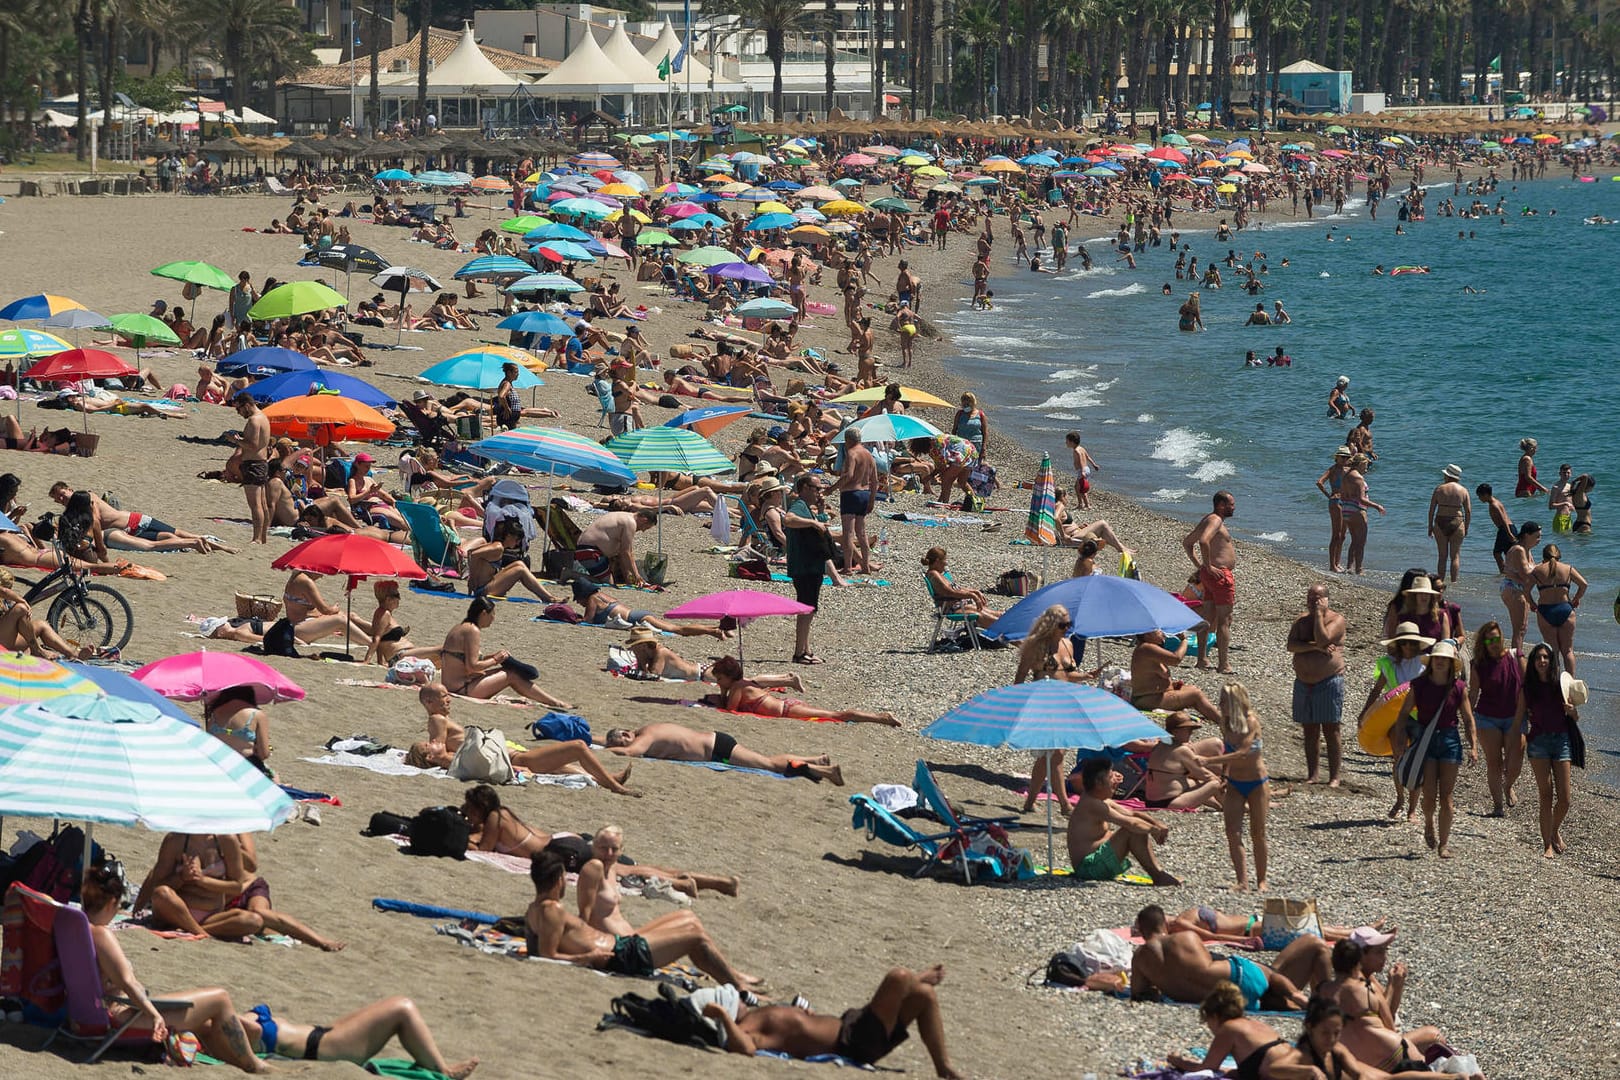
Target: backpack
[(482, 757), (670, 1016), (440, 831), (562, 727), (51, 866), (1061, 970), (574, 851), (385, 824)]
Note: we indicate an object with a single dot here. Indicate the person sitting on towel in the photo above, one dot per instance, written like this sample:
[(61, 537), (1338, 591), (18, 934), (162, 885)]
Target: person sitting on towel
[(672, 742)]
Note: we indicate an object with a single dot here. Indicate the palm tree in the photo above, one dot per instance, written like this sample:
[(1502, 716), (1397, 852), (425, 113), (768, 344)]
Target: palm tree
[(829, 41), (84, 28), (975, 24), (424, 24), (255, 37), (776, 19)]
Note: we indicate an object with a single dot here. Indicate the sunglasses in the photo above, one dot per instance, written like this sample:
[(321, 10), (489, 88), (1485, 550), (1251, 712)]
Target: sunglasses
[(1492, 640)]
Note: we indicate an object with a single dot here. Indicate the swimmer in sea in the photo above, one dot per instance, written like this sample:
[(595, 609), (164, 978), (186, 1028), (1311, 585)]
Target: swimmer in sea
[(1166, 290), (1278, 315), (1378, 270), (1470, 290), (1250, 360)]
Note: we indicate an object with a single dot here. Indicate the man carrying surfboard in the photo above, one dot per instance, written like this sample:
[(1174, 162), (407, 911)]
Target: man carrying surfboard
[(1316, 642)]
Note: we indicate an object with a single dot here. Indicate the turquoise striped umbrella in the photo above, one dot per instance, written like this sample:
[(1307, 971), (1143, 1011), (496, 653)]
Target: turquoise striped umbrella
[(668, 450), (20, 341), (117, 762)]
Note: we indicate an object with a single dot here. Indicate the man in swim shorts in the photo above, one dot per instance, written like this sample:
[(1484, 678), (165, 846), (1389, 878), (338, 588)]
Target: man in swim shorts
[(1179, 966), (131, 530), (1505, 536), (254, 450), (866, 1034), (1316, 642), (1215, 561), (672, 742), (1103, 836), (857, 491)]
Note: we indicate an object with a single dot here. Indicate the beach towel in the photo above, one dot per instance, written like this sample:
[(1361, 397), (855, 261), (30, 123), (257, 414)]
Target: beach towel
[(615, 1022), (379, 684), (871, 582), (716, 766), (423, 590), (512, 864), (496, 943), (431, 911)]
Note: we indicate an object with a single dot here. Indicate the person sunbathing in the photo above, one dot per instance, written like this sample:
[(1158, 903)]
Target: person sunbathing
[(104, 401), (602, 874), (495, 567), (558, 934), (496, 828), (1176, 776), (468, 671), (672, 742), (653, 658), (207, 884), (20, 631), (285, 508), (306, 617), (233, 716), (1371, 1032), (445, 736), (1255, 1045), (1318, 1052), (207, 1013), (1218, 926), (132, 530), (738, 694), (357, 1037), (19, 549), (866, 1034), (1179, 966), (601, 610), (388, 638), (1151, 685)]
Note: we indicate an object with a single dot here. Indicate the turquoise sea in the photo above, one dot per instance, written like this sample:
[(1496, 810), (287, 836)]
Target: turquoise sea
[(1454, 378)]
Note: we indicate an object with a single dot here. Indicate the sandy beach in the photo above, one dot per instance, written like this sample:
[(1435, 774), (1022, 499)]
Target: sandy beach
[(1498, 939)]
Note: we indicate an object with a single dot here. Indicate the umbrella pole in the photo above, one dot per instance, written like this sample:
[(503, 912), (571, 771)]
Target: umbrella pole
[(84, 861), (1049, 817)]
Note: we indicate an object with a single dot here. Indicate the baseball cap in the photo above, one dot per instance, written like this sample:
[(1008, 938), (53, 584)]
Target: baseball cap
[(363, 456), (1369, 938)]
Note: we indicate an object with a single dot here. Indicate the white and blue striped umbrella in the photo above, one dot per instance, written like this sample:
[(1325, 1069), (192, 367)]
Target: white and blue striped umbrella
[(107, 760), (1049, 714)]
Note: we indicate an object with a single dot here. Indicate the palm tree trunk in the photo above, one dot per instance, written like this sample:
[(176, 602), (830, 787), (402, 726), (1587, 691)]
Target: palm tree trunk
[(829, 41), (1424, 46), (425, 21), (1261, 29), (776, 50), (1183, 69), (1319, 49), (1004, 55), (374, 96), (1221, 61), (979, 107), (84, 27), (1167, 49), (1339, 21), (877, 58), (926, 44), (109, 56)]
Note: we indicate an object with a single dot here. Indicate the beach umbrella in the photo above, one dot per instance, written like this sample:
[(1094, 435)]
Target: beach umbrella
[(740, 271), (523, 223), (394, 176), (76, 319), (264, 360), (890, 428), (841, 208), (355, 557), (76, 364), (587, 208), (141, 329), (544, 283), (556, 454), (38, 306), (656, 238), (765, 307), (595, 160), (295, 298), (1173, 139), (857, 159), (1100, 606), (708, 419), (478, 370), (301, 382), (818, 193), (909, 395), (348, 258), (534, 322), (326, 418), (104, 760), (766, 222), (1041, 528), (1048, 714), (20, 342), (196, 272), (707, 256), (564, 251), (403, 280), (811, 234), (25, 679), (493, 266), (743, 605), (889, 202), (193, 676), (668, 450), (118, 684), (443, 178), (556, 230), (521, 357)]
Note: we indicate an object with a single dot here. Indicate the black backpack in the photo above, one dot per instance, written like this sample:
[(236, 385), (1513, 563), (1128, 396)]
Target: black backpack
[(385, 824), (670, 1016), (1061, 970), (441, 831), (50, 866)]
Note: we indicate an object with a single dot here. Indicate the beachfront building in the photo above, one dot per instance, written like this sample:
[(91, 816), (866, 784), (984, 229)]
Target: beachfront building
[(1314, 87)]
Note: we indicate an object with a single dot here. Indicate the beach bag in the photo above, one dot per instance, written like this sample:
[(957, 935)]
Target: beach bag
[(670, 1016), (561, 727), (574, 851), (751, 570), (385, 824), (1284, 920), (50, 866), (1062, 970), (439, 831), (1102, 951), (1409, 767), (412, 671), (259, 606), (983, 479), (561, 613), (621, 661), (1018, 582), (654, 565), (482, 757), (1577, 744)]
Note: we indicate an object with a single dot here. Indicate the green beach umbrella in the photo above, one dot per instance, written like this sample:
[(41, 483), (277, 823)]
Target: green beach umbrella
[(1174, 139), (656, 238), (1336, 129), (709, 255), (194, 272), (141, 330), (667, 449), (296, 298), (524, 223), (889, 202)]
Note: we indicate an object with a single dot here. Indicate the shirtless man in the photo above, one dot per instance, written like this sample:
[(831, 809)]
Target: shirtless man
[(1451, 512), (1505, 535), (1215, 558), (672, 742), (614, 535), (1178, 965), (1151, 685), (1316, 642), (1371, 1032), (253, 455), (738, 694), (1103, 837), (134, 531), (653, 657), (867, 1034), (857, 494), (558, 934), (445, 736), (1176, 778)]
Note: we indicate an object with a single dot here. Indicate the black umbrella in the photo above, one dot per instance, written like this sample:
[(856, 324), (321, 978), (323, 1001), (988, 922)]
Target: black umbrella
[(345, 257), (405, 279)]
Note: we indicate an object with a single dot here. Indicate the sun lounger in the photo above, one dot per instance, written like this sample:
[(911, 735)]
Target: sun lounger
[(880, 824)]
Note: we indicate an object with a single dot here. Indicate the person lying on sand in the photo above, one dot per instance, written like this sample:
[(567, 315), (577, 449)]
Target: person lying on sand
[(866, 1034), (603, 873), (654, 658), (738, 694), (672, 742), (1180, 967), (558, 934), (19, 549), (602, 610), (100, 401), (496, 828), (357, 1037), (132, 530), (1254, 1044), (1103, 836), (1217, 926)]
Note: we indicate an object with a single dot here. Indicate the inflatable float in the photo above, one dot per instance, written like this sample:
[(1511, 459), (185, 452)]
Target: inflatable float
[(1399, 270), (1373, 734)]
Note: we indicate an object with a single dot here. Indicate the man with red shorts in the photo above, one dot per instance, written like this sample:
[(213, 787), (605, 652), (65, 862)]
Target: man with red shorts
[(1215, 557)]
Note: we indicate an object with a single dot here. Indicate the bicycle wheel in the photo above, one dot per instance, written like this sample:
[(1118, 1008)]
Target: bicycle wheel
[(93, 610)]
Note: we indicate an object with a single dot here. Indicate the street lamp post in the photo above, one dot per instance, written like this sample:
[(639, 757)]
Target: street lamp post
[(863, 20)]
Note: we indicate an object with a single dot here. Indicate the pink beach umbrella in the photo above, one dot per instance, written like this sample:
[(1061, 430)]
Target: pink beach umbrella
[(195, 675), (742, 605)]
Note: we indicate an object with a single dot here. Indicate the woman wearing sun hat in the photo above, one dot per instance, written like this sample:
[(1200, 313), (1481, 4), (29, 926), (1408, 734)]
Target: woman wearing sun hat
[(1401, 663), (1440, 698), (1450, 514)]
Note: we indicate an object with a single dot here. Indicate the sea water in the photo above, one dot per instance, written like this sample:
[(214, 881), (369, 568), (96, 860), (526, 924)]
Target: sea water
[(1454, 377)]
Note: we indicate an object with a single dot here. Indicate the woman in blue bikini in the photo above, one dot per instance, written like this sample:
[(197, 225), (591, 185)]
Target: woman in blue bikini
[(1328, 484), (1555, 607), (1245, 783), (356, 1037)]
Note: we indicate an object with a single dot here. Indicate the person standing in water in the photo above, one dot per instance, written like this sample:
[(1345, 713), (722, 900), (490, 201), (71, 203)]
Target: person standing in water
[(1528, 486), (1451, 513), (1328, 484), (1505, 536)]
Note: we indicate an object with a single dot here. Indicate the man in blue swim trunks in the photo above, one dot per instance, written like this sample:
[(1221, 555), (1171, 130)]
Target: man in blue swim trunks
[(1179, 966), (857, 491)]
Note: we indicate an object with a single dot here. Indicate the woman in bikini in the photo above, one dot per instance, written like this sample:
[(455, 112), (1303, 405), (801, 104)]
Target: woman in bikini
[(1047, 653), (1320, 1053), (1151, 685), (494, 568), (1253, 1044), (496, 828), (467, 671), (1450, 514), (20, 631), (738, 694), (1245, 783), (1515, 582), (600, 879), (1580, 498), (1328, 484), (357, 1037), (1555, 607), (388, 640), (233, 717), (307, 617), (1353, 504), (1367, 1019)]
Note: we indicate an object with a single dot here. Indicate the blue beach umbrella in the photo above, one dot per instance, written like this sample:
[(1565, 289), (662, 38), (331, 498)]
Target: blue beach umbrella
[(557, 230), (264, 360), (534, 322), (478, 371), (766, 222), (493, 266), (890, 428), (765, 307), (301, 383), (1100, 606), (565, 250), (394, 174), (118, 684), (545, 283)]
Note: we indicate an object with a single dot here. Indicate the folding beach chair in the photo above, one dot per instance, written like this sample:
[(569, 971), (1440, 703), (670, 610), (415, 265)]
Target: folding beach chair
[(943, 615), (880, 824), (49, 964), (432, 431), (434, 545), (964, 826)]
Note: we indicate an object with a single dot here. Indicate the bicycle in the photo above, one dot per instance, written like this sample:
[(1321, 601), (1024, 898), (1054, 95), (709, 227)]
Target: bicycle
[(82, 611)]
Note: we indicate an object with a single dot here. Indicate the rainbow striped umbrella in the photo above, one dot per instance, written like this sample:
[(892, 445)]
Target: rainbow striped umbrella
[(38, 306), (25, 679), (555, 453), (1041, 528)]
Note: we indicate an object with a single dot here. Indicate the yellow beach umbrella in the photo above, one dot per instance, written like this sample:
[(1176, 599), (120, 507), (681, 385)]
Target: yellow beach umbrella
[(809, 232), (912, 160), (930, 170), (772, 206), (1244, 154), (633, 212), (909, 395), (1226, 189), (1001, 166), (840, 207), (624, 191)]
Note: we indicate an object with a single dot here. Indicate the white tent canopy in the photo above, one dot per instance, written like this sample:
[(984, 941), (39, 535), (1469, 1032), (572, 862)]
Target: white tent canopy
[(467, 70), (587, 70), (623, 54)]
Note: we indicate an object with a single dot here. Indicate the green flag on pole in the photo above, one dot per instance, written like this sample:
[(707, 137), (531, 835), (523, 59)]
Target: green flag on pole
[(664, 68)]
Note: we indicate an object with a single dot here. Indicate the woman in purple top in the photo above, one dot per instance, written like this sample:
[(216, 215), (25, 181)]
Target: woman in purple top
[(1548, 713), (1440, 697), (1493, 688)]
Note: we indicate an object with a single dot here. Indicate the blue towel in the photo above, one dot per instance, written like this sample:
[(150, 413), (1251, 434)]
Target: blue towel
[(421, 590), (299, 794), (817, 1059), (431, 911), (718, 766)]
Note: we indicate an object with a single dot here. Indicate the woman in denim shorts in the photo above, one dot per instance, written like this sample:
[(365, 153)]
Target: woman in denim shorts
[(1548, 715), (1441, 698)]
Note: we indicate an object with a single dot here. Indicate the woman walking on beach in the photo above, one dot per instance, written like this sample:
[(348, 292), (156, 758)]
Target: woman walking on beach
[(1516, 581), (1401, 663), (1549, 714), (1245, 783), (1450, 514), (1353, 504), (1047, 653), (1329, 484), (1441, 700), (1494, 682), (1555, 607), (1417, 601)]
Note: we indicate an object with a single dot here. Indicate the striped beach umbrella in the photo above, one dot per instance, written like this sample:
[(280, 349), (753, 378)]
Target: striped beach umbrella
[(26, 679), (38, 306), (1041, 528), (493, 266), (105, 760), (19, 341), (555, 453), (669, 450)]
